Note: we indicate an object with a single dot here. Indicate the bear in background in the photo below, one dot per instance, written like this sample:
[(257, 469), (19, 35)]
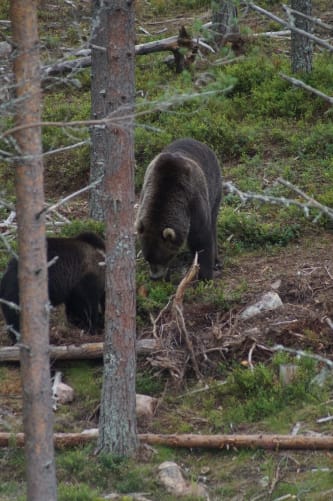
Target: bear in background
[(76, 278), (179, 204)]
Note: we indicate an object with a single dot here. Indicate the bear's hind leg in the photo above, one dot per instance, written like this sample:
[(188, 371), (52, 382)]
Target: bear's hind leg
[(83, 304)]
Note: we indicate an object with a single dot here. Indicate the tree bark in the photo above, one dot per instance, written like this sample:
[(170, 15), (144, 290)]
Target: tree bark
[(224, 20), (301, 47), (34, 316), (261, 441), (84, 351), (113, 149)]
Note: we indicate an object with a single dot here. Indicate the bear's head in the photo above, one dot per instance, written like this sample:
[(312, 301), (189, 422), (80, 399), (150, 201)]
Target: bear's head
[(159, 247)]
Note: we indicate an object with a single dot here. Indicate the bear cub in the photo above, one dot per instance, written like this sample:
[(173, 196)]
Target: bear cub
[(179, 204), (76, 278)]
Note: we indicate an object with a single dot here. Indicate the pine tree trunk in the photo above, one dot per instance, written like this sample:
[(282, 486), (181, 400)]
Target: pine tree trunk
[(301, 47), (116, 20), (224, 20), (34, 317)]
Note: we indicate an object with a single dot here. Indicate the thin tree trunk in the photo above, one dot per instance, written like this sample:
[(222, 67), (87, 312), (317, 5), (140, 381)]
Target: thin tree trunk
[(224, 20), (116, 22), (301, 47), (34, 317)]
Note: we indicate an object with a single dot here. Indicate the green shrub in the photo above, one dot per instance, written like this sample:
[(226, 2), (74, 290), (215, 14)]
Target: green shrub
[(249, 232), (252, 395)]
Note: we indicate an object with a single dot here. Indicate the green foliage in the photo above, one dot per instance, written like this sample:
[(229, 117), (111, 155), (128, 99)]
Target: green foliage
[(212, 292), (248, 232), (133, 481), (85, 378), (4, 9), (252, 395), (149, 384), (155, 296), (162, 7), (77, 226), (77, 492)]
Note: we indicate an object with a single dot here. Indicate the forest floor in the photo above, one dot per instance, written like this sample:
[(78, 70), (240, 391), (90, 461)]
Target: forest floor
[(302, 275)]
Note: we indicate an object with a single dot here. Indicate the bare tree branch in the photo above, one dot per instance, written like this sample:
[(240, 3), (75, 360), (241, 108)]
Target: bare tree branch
[(315, 20), (302, 85), (317, 40), (311, 201), (69, 197), (229, 187)]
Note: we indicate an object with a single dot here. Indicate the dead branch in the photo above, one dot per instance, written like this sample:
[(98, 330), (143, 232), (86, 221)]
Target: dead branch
[(75, 352), (317, 40), (301, 353), (169, 328), (69, 197), (302, 85), (229, 187), (314, 20), (172, 44), (311, 201), (264, 441), (190, 275), (177, 311)]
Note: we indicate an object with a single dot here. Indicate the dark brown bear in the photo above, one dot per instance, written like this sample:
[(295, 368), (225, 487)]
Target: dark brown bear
[(179, 203), (76, 278)]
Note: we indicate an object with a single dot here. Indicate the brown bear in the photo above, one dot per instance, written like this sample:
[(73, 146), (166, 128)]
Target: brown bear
[(76, 278), (179, 204)]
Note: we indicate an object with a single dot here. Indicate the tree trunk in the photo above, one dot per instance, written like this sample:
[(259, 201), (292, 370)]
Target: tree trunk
[(100, 107), (114, 21), (224, 20), (34, 316), (301, 47)]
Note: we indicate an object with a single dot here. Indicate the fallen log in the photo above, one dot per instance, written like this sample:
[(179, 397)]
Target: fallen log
[(172, 44), (263, 441), (76, 352)]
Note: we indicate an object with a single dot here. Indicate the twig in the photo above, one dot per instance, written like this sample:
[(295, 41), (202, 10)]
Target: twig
[(69, 197), (328, 273), (190, 275), (177, 311), (249, 357), (8, 247), (312, 202), (302, 353), (324, 419), (12, 305), (229, 187), (302, 85)]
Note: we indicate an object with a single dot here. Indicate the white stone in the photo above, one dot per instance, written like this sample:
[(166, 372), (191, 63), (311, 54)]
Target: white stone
[(269, 301), (64, 393)]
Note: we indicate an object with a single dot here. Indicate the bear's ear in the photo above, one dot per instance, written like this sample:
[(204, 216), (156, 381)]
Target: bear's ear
[(140, 227), (169, 234)]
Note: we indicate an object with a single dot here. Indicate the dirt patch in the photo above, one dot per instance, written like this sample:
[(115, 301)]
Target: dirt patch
[(301, 274)]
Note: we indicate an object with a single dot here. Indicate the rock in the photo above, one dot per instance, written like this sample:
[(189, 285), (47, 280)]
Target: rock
[(145, 406), (170, 475), (64, 393), (269, 301)]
